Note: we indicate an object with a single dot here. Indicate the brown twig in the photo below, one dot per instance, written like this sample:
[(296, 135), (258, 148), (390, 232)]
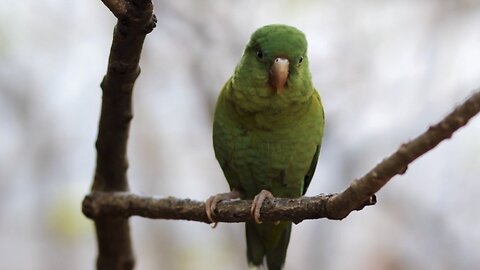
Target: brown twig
[(335, 206), (124, 204), (397, 163), (135, 20)]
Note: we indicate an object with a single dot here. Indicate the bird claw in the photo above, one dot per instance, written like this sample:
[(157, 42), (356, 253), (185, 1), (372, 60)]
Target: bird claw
[(211, 204), (257, 204)]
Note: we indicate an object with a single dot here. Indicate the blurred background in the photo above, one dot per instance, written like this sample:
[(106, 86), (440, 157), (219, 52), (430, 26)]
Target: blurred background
[(385, 70)]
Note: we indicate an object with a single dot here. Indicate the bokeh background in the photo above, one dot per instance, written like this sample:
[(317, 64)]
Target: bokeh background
[(385, 70)]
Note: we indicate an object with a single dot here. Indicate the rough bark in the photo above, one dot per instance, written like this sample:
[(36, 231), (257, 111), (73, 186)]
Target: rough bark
[(135, 20), (397, 163), (334, 206), (124, 204)]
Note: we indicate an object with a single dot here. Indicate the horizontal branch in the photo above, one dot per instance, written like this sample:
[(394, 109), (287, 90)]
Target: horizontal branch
[(334, 206), (124, 204)]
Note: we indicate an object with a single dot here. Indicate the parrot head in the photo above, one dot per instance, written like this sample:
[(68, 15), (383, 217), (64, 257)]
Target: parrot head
[(274, 66)]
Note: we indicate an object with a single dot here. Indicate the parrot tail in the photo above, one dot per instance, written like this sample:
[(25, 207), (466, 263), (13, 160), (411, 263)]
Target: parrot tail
[(268, 240)]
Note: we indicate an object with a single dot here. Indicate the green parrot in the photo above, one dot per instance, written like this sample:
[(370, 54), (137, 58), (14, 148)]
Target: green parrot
[(267, 132)]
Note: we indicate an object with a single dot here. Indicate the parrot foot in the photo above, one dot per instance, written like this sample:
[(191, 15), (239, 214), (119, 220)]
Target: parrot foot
[(211, 203), (257, 204)]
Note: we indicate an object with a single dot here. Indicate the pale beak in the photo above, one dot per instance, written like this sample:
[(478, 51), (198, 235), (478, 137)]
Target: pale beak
[(279, 74)]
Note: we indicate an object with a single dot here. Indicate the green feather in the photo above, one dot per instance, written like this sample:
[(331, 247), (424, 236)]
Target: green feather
[(270, 240), (264, 139)]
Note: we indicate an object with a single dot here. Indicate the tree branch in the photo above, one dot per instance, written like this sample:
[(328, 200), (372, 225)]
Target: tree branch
[(334, 206), (397, 163), (124, 204), (135, 20)]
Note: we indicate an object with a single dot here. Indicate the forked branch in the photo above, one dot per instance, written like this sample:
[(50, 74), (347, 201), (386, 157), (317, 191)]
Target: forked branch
[(359, 194)]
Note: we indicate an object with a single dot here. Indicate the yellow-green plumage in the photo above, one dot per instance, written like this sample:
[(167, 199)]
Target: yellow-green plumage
[(268, 138)]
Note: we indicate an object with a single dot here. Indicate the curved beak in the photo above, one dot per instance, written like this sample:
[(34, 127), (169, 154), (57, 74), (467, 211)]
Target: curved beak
[(279, 74)]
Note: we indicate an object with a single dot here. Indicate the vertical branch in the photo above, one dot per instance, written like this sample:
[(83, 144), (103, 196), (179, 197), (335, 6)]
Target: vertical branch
[(135, 21)]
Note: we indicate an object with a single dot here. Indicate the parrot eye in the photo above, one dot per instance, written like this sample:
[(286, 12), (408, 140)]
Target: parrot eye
[(300, 60), (259, 54)]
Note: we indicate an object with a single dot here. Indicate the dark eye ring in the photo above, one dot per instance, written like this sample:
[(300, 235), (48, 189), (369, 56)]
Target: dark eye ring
[(300, 60), (259, 54)]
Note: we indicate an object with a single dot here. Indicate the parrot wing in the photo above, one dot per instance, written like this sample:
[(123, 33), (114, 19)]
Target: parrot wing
[(311, 171), (313, 165)]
